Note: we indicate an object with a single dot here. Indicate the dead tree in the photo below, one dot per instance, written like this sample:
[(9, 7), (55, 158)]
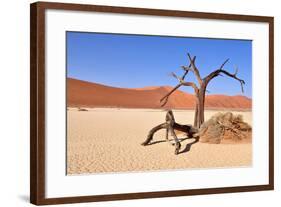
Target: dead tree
[(200, 87), (170, 125)]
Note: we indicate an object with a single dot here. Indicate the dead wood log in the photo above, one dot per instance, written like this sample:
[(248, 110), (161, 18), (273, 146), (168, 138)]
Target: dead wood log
[(170, 125)]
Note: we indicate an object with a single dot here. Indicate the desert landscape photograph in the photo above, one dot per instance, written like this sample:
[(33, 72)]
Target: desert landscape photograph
[(138, 103)]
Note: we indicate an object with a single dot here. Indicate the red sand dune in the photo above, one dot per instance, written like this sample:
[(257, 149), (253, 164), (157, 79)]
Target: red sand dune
[(86, 94)]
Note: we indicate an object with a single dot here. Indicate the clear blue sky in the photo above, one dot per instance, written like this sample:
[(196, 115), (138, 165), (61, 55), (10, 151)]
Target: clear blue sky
[(133, 61)]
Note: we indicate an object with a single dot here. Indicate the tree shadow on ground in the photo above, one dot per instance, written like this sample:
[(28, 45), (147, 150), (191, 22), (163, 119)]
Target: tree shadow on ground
[(187, 146), (160, 141)]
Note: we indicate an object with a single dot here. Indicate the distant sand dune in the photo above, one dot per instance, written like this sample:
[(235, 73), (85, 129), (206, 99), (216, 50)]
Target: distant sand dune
[(86, 94)]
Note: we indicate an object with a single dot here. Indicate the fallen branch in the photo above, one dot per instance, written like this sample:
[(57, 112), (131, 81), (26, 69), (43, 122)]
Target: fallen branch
[(170, 125)]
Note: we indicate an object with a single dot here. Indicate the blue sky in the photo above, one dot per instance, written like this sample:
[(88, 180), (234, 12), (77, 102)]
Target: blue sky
[(134, 61)]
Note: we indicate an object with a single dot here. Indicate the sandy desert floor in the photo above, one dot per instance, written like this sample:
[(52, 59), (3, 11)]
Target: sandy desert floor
[(109, 140)]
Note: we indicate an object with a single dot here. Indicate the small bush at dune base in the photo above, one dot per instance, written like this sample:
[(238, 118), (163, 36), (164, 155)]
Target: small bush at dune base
[(81, 109), (225, 128)]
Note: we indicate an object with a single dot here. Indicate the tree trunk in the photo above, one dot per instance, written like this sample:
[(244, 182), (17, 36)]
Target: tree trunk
[(199, 108), (195, 124)]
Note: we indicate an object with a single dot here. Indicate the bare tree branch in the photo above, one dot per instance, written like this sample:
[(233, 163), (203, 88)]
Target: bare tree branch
[(181, 81), (185, 73), (194, 68), (193, 85), (178, 78), (221, 67), (166, 97), (219, 71), (187, 69), (242, 82)]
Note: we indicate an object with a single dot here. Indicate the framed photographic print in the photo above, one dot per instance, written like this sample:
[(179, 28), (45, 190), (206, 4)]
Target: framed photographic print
[(130, 103)]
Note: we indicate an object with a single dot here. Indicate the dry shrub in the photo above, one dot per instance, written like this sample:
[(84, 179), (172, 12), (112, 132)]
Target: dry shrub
[(82, 109), (225, 128)]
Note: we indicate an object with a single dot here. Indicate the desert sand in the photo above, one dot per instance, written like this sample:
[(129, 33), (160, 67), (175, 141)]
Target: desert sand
[(103, 140)]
